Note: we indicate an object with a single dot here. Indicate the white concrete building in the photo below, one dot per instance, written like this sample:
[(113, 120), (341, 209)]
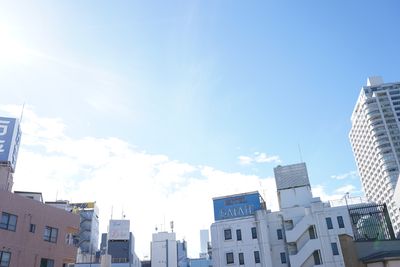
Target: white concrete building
[(164, 250), (375, 139), (204, 239), (303, 233)]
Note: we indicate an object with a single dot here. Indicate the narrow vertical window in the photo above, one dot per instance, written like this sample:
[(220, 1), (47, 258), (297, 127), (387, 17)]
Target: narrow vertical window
[(311, 232), (317, 258), (329, 223), (238, 234), (253, 232), (340, 221), (335, 250), (229, 258), (279, 234), (257, 256), (283, 257), (5, 258), (241, 259)]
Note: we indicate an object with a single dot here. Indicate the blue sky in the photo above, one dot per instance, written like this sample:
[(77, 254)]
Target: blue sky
[(201, 82)]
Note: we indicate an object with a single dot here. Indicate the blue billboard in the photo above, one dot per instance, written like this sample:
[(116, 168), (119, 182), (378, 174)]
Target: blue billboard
[(10, 136), (236, 206)]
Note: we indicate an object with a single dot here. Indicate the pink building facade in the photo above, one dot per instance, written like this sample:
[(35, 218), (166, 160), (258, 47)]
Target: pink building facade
[(33, 234)]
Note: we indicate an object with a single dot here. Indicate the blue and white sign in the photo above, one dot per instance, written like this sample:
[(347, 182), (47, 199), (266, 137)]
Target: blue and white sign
[(236, 206), (10, 136)]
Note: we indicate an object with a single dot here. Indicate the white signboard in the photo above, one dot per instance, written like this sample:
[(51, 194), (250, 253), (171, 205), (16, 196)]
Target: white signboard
[(119, 230)]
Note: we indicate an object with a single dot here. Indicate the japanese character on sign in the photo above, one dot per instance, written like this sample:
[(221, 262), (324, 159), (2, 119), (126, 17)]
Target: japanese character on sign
[(3, 132)]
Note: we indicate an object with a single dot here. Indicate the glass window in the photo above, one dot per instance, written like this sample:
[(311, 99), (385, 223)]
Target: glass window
[(32, 228), (279, 234), (253, 232), (8, 221), (50, 234), (317, 258), (257, 256), (46, 263), (5, 258), (229, 258), (340, 221), (241, 259), (335, 250), (228, 234), (238, 234), (283, 257), (329, 222)]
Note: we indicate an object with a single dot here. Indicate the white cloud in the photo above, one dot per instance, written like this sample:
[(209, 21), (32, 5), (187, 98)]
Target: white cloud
[(258, 157), (346, 189), (348, 175), (149, 188)]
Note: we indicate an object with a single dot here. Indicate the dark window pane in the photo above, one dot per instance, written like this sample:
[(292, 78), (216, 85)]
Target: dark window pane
[(335, 250), (253, 232), (283, 257), (241, 259), (229, 258), (256, 256), (228, 234), (340, 221), (279, 233), (311, 231), (317, 258), (329, 223), (238, 234)]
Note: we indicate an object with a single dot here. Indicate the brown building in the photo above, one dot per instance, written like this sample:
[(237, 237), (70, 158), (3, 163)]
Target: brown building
[(33, 234)]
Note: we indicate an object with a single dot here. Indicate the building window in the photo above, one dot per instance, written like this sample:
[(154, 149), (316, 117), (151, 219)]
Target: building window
[(335, 250), (283, 257), (50, 234), (329, 223), (46, 263), (228, 234), (238, 234), (241, 259), (311, 232), (257, 256), (229, 258), (279, 234), (253, 232), (32, 228), (8, 221), (5, 258), (317, 258), (340, 221)]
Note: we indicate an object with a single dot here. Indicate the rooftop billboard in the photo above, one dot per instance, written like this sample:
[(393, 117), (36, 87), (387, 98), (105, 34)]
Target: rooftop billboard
[(10, 136), (236, 206), (119, 230)]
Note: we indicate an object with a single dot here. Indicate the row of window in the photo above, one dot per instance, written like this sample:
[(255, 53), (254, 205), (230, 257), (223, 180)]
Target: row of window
[(5, 259), (228, 234), (9, 222), (329, 223), (231, 260)]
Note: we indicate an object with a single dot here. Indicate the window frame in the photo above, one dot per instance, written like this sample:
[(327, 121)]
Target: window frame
[(329, 223), (254, 232), (335, 249), (50, 237), (241, 258), (46, 261), (229, 258), (6, 225), (340, 221), (32, 228), (257, 256), (238, 234), (283, 257), (2, 253), (279, 234), (227, 234)]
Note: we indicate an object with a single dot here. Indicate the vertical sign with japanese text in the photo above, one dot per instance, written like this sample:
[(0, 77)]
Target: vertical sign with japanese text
[(10, 136)]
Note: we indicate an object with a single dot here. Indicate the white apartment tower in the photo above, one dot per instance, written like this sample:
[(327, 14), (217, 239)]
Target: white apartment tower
[(375, 139)]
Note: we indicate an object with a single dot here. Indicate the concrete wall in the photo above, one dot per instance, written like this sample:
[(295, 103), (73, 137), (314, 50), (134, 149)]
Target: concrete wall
[(28, 248)]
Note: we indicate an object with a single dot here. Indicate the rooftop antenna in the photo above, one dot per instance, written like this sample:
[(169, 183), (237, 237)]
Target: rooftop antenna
[(172, 226), (301, 157)]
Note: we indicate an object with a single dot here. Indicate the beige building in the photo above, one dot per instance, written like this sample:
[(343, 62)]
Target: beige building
[(35, 234)]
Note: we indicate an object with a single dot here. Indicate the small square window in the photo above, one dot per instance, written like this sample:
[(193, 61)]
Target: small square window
[(253, 232), (228, 234), (8, 221), (46, 263), (32, 228), (229, 258), (50, 234)]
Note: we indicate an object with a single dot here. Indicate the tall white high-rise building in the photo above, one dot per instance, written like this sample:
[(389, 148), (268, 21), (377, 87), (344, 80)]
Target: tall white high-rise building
[(375, 139)]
